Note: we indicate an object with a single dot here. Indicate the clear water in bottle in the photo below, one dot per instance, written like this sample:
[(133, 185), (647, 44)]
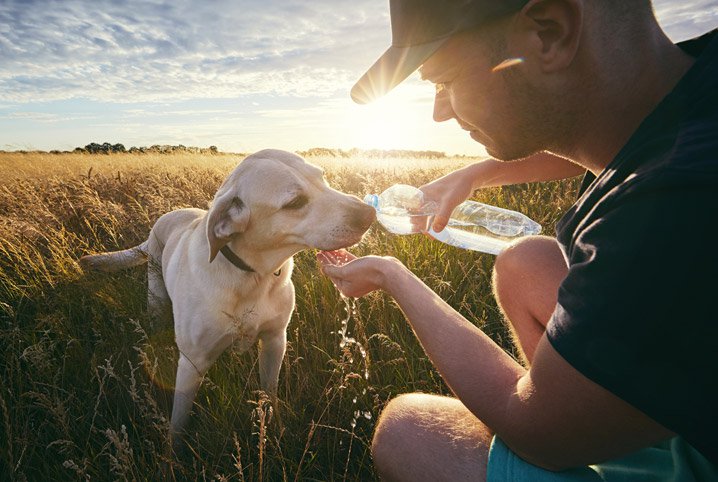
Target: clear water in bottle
[(485, 243), (480, 227), (401, 209), (399, 221), (475, 216)]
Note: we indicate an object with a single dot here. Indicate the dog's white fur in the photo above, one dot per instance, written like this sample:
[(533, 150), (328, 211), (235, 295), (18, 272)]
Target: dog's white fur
[(271, 206)]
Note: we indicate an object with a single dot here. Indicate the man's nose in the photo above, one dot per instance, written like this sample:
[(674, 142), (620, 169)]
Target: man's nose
[(442, 106)]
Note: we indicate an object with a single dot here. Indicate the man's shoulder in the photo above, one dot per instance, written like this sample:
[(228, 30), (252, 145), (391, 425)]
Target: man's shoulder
[(700, 85), (673, 151), (677, 144), (697, 45)]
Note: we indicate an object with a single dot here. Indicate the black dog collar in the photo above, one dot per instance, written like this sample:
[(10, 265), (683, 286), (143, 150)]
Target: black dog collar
[(234, 259), (238, 262)]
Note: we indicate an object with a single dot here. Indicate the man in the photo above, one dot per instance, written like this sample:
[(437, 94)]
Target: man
[(615, 315)]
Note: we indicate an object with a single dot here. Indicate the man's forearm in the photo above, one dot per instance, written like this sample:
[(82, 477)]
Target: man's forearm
[(536, 168), (477, 370)]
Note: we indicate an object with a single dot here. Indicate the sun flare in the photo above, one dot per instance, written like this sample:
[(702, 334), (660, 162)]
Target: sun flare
[(391, 122)]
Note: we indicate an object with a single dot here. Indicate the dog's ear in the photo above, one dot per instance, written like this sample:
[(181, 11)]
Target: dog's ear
[(227, 217)]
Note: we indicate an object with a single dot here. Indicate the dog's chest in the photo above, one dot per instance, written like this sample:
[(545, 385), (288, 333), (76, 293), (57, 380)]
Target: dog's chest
[(244, 319)]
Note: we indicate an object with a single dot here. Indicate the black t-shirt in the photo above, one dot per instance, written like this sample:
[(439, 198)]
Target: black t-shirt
[(638, 310)]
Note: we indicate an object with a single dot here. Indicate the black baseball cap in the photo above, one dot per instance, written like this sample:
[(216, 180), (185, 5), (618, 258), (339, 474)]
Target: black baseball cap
[(418, 29)]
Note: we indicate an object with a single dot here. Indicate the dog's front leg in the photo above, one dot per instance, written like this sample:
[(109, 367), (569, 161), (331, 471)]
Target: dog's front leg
[(189, 378), (271, 353)]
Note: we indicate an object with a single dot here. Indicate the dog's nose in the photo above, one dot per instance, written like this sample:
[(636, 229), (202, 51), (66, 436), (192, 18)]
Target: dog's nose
[(363, 216)]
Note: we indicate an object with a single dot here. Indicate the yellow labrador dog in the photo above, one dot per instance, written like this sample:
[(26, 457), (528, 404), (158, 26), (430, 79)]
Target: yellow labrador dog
[(226, 272)]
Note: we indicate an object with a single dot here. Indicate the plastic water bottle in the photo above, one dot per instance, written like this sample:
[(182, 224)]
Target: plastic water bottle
[(402, 209)]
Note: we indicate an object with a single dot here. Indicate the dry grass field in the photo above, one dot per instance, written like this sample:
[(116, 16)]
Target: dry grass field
[(87, 376)]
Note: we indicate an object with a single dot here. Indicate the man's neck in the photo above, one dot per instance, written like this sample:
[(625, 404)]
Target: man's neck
[(625, 94)]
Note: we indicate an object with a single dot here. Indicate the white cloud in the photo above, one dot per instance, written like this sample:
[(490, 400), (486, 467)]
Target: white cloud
[(685, 19), (149, 51), (46, 117), (35, 116)]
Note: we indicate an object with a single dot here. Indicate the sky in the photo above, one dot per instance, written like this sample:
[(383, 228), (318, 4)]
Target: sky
[(241, 75)]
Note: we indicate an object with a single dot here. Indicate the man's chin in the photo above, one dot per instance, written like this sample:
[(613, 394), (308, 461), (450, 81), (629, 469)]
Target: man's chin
[(512, 153), (485, 141), (478, 137)]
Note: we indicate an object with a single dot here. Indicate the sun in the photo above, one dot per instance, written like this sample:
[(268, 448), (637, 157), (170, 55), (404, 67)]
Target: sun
[(401, 120), (391, 122)]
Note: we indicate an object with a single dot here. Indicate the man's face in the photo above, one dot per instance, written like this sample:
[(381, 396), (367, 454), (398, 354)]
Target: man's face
[(491, 105)]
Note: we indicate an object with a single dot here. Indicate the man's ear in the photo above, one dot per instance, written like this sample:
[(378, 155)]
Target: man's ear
[(554, 28), (227, 217)]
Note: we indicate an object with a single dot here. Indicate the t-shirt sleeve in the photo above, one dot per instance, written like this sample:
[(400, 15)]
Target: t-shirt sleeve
[(637, 310)]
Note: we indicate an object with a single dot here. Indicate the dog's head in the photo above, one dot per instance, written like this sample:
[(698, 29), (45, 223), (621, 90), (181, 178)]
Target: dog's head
[(276, 203)]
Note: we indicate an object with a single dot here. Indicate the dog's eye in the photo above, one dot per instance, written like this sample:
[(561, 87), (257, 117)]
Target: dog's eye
[(297, 203)]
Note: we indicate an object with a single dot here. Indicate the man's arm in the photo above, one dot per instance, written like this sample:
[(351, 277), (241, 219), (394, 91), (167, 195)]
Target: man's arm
[(539, 167), (551, 415)]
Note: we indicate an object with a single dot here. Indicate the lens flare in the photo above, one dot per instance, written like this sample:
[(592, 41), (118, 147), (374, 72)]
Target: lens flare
[(507, 64)]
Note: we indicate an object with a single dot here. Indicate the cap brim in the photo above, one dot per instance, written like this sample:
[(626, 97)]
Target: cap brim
[(391, 69)]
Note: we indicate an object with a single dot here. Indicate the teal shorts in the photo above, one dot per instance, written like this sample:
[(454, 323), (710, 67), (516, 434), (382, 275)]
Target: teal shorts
[(673, 460)]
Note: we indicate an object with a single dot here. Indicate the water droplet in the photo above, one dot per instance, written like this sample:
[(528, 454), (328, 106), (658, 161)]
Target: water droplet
[(346, 340)]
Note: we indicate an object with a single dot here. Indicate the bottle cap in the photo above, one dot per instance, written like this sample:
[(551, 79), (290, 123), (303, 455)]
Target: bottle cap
[(372, 200)]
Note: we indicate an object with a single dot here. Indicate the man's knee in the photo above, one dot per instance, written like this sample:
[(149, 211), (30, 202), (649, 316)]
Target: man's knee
[(407, 426), (526, 261), (517, 258), (416, 431), (394, 425)]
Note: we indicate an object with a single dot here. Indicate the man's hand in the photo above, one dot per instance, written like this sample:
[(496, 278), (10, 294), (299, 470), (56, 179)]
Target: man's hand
[(448, 192), (355, 277)]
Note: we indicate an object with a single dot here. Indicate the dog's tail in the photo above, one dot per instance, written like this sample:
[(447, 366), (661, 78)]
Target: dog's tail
[(115, 260)]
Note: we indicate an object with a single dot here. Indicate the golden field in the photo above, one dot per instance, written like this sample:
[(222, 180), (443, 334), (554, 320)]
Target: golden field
[(87, 376)]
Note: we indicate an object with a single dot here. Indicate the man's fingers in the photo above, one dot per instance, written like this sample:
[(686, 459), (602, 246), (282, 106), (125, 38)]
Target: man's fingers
[(330, 266), (440, 222)]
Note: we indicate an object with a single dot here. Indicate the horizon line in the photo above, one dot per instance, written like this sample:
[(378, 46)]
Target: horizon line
[(107, 148)]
